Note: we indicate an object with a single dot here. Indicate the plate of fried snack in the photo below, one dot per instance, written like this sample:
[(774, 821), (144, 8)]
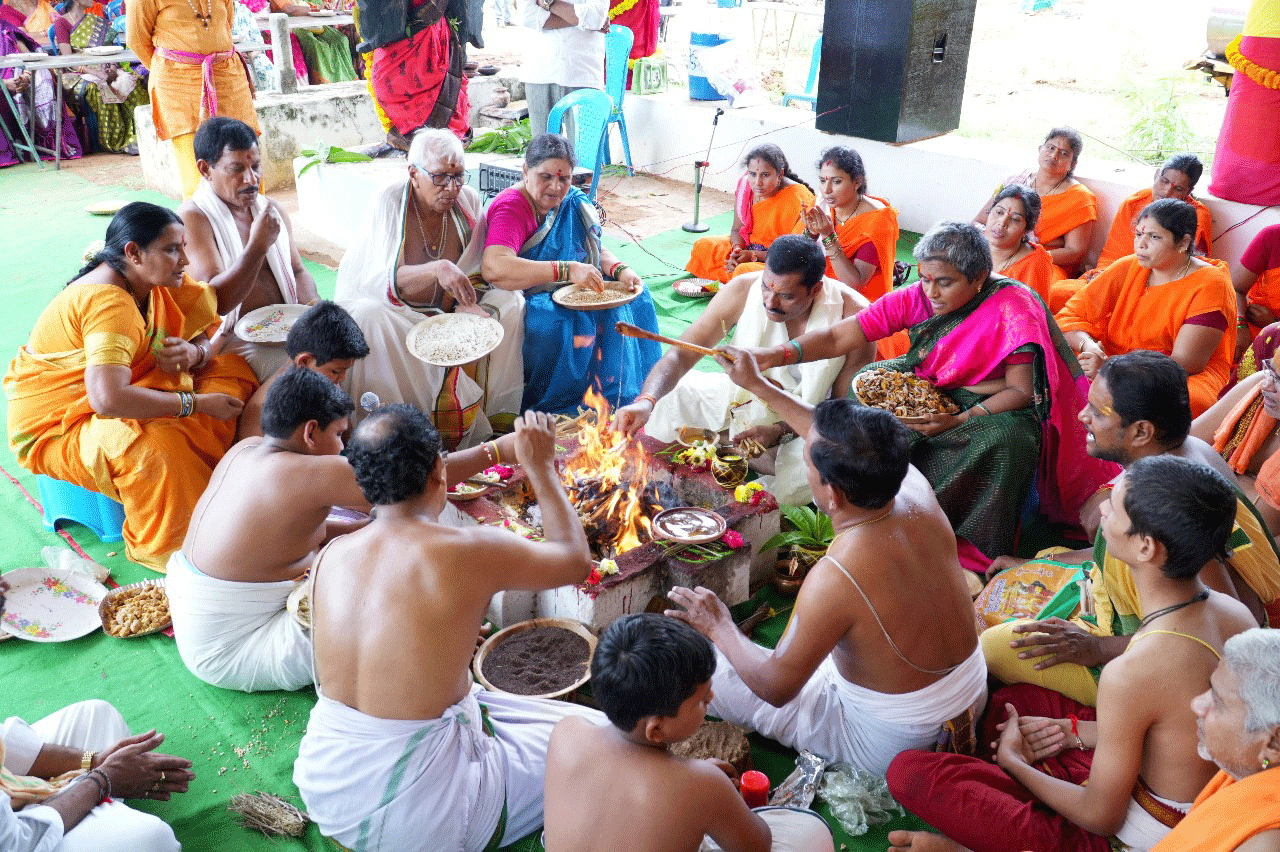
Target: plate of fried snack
[(580, 297), (910, 398), (135, 610)]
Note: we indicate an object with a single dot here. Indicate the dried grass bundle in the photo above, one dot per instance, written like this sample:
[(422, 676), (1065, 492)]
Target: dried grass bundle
[(268, 814)]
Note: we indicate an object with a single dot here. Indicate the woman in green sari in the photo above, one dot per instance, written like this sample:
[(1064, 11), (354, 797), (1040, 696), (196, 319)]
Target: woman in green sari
[(108, 93), (990, 344)]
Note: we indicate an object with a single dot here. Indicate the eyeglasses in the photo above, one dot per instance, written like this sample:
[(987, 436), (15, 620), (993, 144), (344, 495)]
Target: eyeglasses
[(443, 179), (1056, 152)]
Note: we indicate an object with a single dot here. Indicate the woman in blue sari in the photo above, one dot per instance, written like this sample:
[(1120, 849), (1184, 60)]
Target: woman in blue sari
[(543, 234)]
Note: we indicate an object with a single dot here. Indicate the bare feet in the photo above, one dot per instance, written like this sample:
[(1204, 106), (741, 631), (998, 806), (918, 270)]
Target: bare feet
[(922, 841)]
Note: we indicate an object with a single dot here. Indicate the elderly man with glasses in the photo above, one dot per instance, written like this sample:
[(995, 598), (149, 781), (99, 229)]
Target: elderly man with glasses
[(420, 256)]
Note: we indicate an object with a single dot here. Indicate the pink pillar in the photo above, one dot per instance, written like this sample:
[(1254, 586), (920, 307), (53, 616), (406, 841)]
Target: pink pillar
[(1246, 165)]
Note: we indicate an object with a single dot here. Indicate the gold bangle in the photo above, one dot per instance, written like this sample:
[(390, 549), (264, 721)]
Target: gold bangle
[(86, 760), (497, 456)]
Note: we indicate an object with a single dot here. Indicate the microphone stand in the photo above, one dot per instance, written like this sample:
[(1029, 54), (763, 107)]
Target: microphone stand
[(699, 168)]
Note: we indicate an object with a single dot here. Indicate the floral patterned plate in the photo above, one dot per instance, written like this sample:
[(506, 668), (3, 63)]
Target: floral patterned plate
[(47, 605)]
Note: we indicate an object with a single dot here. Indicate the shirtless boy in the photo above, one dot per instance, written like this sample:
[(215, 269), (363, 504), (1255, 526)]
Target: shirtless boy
[(882, 650), (325, 339), (652, 676), (256, 529), (403, 750), (1167, 518)]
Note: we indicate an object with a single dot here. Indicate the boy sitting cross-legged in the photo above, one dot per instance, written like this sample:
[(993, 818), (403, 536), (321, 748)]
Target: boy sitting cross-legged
[(617, 786)]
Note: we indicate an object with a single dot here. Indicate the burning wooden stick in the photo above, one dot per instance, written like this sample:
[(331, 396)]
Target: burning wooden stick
[(629, 330)]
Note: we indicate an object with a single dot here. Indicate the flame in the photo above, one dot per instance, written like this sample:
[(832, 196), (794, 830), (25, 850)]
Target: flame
[(621, 469)]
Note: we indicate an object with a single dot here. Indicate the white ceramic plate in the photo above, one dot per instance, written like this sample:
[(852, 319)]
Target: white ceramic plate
[(269, 324), (696, 288), (103, 50), (563, 296), (322, 13), (48, 605), (424, 339)]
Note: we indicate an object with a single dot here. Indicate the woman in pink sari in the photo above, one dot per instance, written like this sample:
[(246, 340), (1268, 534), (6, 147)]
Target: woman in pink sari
[(990, 344)]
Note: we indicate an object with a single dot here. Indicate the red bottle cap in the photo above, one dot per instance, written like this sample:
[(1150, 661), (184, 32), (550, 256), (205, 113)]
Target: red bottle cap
[(755, 788)]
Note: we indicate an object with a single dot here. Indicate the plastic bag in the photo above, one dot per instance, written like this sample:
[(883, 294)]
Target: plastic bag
[(70, 561), (733, 73), (798, 790), (857, 798)]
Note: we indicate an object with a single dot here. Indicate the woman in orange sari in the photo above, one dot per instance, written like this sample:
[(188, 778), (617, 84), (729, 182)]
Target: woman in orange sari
[(117, 390), (768, 203), (1068, 208), (858, 232), (1010, 223), (1162, 298)]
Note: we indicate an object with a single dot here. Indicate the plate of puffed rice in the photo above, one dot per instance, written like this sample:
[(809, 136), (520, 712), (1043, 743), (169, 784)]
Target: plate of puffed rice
[(580, 297), (270, 323), (450, 340), (51, 604), (135, 610)]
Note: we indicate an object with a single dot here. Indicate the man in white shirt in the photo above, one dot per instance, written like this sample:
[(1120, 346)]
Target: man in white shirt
[(564, 53)]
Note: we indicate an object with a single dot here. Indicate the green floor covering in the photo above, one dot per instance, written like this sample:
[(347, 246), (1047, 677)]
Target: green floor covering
[(238, 742)]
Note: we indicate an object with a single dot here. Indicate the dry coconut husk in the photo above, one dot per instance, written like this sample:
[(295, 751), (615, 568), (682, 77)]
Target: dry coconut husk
[(269, 814)]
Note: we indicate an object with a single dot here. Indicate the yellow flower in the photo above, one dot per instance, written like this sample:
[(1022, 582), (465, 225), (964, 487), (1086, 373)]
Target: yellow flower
[(743, 492)]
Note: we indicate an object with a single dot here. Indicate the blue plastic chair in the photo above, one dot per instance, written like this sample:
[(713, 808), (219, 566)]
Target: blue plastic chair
[(64, 501), (808, 96), (591, 111), (617, 51)]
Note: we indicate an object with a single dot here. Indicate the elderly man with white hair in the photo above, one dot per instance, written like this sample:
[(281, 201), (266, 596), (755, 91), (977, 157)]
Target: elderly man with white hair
[(1238, 726), (421, 256)]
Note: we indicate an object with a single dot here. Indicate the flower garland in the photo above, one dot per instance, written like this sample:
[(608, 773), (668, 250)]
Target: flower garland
[(624, 6), (1262, 76)]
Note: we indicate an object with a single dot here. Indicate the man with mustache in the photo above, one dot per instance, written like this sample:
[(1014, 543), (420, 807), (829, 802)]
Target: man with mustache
[(788, 298), (239, 242)]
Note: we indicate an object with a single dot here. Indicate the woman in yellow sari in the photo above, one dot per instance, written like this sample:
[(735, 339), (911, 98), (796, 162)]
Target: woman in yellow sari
[(769, 202), (117, 390)]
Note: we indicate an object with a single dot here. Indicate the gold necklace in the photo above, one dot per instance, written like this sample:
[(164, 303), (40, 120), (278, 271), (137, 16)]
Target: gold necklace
[(1035, 178), (880, 517), (435, 250)]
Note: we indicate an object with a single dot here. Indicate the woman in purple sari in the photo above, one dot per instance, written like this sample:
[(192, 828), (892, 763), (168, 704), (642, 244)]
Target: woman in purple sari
[(989, 344), (29, 88)]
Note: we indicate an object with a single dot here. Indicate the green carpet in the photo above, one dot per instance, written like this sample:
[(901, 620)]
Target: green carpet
[(238, 742)]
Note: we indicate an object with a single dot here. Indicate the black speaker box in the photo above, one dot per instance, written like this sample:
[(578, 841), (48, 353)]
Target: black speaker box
[(893, 70)]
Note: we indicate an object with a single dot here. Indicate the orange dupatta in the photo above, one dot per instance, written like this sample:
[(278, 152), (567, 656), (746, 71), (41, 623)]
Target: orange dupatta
[(1226, 814), (1120, 239), (1036, 270), (878, 227), (1122, 313), (771, 218)]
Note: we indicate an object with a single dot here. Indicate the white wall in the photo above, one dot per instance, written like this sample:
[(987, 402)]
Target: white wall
[(947, 177)]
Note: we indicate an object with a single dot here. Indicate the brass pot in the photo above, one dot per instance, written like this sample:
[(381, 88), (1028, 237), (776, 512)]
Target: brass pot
[(728, 468), (786, 583)]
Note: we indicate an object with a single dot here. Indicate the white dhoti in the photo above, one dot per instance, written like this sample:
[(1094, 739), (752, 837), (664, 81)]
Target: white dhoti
[(710, 401), (264, 358), (1141, 830), (109, 827), (841, 721), (237, 635), (367, 287), (451, 784), (793, 829)]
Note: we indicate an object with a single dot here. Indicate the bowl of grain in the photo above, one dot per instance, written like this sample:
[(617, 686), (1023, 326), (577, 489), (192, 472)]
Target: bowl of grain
[(580, 297), (451, 340), (135, 610), (541, 658)]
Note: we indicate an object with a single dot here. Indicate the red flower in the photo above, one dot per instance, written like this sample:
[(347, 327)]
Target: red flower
[(593, 579), (757, 497), (733, 539)]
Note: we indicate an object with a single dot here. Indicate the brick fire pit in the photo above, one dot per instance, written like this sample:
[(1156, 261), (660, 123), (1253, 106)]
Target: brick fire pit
[(644, 572)]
